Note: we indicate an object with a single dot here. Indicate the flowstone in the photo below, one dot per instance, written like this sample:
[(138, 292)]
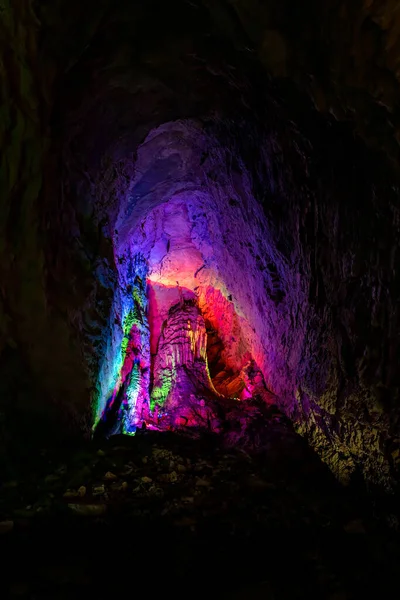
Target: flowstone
[(182, 383)]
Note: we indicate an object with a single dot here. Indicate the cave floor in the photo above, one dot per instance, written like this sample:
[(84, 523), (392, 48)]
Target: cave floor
[(166, 513)]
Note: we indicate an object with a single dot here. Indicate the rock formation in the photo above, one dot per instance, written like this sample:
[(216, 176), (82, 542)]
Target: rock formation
[(126, 380), (181, 378)]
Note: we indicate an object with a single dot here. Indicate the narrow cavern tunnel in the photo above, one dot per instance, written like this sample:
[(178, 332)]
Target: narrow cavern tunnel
[(194, 245), (200, 232)]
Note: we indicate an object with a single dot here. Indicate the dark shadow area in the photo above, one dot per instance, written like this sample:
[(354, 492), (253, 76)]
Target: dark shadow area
[(188, 510)]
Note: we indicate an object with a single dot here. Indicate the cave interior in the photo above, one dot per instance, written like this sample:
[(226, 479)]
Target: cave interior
[(200, 300), (178, 341)]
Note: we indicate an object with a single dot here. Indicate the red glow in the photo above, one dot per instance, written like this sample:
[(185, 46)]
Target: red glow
[(221, 314)]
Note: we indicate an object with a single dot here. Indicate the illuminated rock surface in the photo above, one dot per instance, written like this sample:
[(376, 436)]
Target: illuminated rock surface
[(180, 368), (128, 374)]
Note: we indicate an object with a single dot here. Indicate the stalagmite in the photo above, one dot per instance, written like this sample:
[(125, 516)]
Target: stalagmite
[(181, 377)]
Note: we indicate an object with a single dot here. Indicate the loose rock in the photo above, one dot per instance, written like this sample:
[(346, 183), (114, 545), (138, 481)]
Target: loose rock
[(88, 510)]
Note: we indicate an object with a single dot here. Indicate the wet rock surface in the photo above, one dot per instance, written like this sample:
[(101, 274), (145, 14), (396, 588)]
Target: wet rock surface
[(180, 513)]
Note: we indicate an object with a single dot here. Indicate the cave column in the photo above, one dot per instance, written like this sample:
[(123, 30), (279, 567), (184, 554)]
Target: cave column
[(180, 367)]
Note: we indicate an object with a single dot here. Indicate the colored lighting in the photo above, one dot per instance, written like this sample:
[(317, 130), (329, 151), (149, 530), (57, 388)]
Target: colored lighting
[(140, 313), (124, 378)]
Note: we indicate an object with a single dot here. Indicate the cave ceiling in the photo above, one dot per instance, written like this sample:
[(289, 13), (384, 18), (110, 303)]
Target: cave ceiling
[(342, 55)]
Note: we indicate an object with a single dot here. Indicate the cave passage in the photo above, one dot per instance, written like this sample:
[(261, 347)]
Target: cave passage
[(177, 314), (200, 298)]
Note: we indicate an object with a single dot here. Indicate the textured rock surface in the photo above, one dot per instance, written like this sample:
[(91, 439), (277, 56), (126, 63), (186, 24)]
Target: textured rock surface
[(344, 54), (273, 281), (31, 328), (124, 378), (294, 217), (181, 376)]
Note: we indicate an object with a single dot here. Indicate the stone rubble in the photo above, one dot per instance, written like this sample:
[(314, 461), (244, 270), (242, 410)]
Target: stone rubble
[(255, 512)]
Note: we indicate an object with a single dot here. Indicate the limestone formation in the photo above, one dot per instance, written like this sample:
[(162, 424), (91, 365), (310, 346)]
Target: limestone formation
[(181, 377)]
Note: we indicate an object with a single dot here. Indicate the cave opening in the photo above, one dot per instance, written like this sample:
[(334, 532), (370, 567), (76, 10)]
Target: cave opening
[(174, 257)]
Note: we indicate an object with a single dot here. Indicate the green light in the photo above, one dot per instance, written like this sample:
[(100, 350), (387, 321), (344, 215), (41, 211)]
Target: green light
[(160, 393)]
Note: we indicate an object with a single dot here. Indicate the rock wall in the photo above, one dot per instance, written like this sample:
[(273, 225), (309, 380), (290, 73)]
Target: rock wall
[(41, 362), (121, 397)]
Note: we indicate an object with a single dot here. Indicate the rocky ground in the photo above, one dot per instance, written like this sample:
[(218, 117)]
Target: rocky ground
[(183, 515)]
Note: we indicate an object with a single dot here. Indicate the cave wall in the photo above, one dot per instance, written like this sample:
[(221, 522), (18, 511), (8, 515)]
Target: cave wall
[(35, 336), (120, 396)]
